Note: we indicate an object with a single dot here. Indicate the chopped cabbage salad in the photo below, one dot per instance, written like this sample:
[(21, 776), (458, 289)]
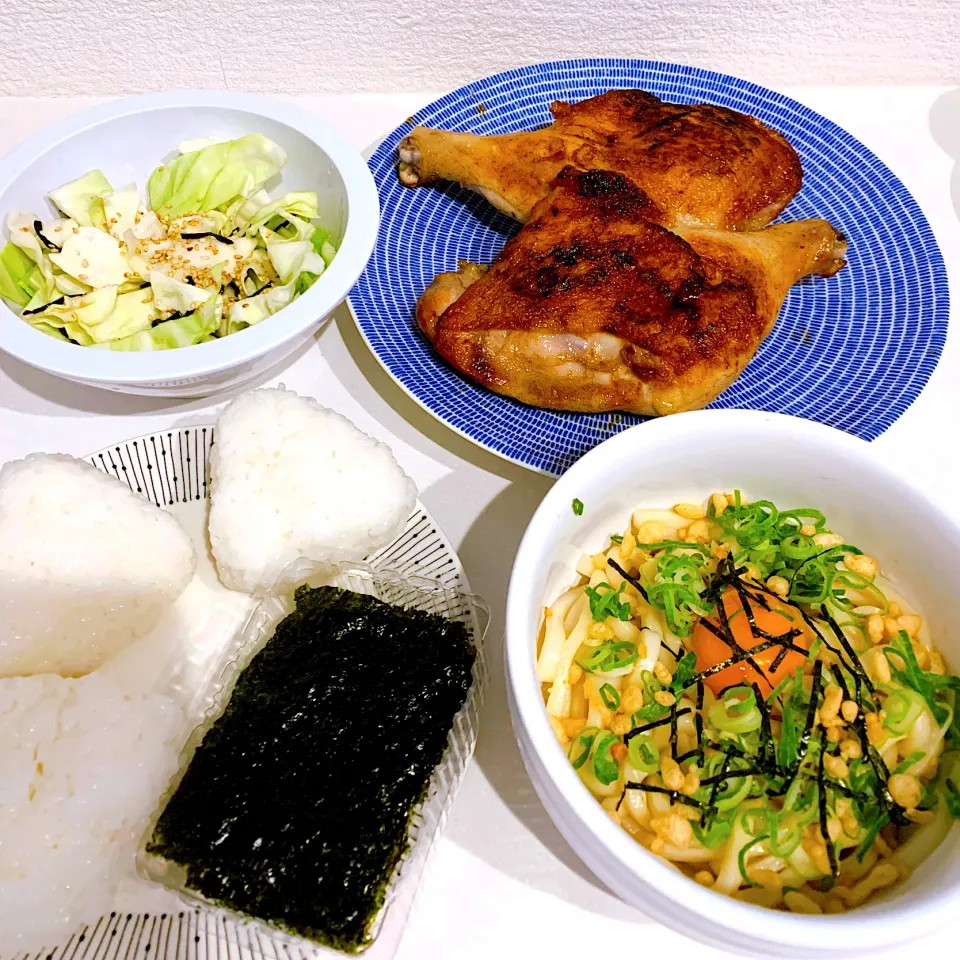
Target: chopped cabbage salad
[(209, 253)]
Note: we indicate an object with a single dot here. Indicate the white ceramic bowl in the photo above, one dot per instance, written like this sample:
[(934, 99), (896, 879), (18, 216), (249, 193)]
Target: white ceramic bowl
[(791, 462), (127, 139)]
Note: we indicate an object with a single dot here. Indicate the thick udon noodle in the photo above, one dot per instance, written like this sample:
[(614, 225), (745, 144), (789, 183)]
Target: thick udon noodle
[(665, 825)]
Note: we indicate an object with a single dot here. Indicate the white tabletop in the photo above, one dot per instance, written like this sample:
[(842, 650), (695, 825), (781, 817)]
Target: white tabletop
[(503, 882)]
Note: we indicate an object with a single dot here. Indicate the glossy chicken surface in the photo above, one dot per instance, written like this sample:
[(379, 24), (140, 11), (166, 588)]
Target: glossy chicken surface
[(703, 166), (594, 307)]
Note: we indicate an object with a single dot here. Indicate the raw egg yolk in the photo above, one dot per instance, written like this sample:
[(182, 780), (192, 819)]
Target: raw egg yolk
[(778, 620)]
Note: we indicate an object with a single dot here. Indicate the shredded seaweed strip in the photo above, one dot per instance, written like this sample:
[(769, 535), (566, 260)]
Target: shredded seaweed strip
[(877, 763), (851, 653), (783, 638), (199, 235), (732, 775), (673, 731), (767, 749), (675, 795), (627, 737), (714, 790), (296, 806), (804, 743), (737, 658), (822, 802), (633, 581), (38, 229), (698, 720), (52, 303)]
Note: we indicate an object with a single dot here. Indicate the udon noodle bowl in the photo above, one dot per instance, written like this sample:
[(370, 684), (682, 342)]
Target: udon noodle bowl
[(751, 699)]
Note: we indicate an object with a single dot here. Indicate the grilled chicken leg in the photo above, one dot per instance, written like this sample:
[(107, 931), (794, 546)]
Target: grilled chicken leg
[(592, 307), (702, 166)]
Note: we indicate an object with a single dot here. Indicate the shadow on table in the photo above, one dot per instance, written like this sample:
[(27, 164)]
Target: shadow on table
[(945, 127), (402, 415), (481, 826)]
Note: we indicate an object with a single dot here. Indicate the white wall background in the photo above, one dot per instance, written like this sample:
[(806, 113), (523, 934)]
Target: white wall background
[(105, 47)]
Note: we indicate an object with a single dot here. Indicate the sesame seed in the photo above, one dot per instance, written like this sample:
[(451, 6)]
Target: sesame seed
[(81, 276), (84, 263)]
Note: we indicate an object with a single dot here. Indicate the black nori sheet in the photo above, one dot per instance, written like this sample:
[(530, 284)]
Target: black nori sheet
[(296, 806)]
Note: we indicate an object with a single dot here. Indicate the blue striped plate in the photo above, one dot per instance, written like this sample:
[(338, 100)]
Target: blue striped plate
[(853, 351)]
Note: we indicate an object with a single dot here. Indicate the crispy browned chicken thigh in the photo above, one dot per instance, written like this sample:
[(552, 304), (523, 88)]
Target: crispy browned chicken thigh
[(593, 307), (703, 166)]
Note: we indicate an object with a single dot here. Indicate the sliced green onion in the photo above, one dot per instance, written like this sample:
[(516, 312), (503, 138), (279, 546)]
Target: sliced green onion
[(758, 820), (577, 506), (622, 654), (609, 656), (605, 768), (907, 762), (790, 521), (902, 708), (784, 840), (870, 836), (732, 715), (610, 696), (733, 791), (642, 753), (741, 859), (798, 547), (739, 700), (778, 689), (605, 602), (715, 835), (580, 746)]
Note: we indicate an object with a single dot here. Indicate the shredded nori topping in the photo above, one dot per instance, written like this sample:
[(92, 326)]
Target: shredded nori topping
[(296, 807), (38, 229), (52, 303), (200, 234)]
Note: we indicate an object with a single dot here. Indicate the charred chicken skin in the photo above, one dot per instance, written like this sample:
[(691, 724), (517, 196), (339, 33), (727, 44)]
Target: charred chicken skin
[(595, 306), (703, 166)]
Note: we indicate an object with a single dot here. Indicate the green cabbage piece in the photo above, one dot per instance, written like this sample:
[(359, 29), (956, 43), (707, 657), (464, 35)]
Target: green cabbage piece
[(50, 331), (245, 313), (101, 315), (94, 257), (291, 257), (300, 204), (116, 211), (214, 175), (77, 315), (171, 294), (304, 282), (20, 277), (23, 234), (69, 286), (74, 198), (179, 332), (323, 244)]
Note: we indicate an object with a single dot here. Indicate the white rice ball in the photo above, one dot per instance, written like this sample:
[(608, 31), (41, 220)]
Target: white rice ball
[(86, 566), (291, 479), (83, 763)]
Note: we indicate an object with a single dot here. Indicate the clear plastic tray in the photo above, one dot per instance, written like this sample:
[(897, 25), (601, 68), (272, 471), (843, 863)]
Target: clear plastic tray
[(428, 820)]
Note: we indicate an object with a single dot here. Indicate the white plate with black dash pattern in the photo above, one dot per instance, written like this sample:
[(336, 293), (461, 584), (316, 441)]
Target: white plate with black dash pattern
[(171, 468)]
